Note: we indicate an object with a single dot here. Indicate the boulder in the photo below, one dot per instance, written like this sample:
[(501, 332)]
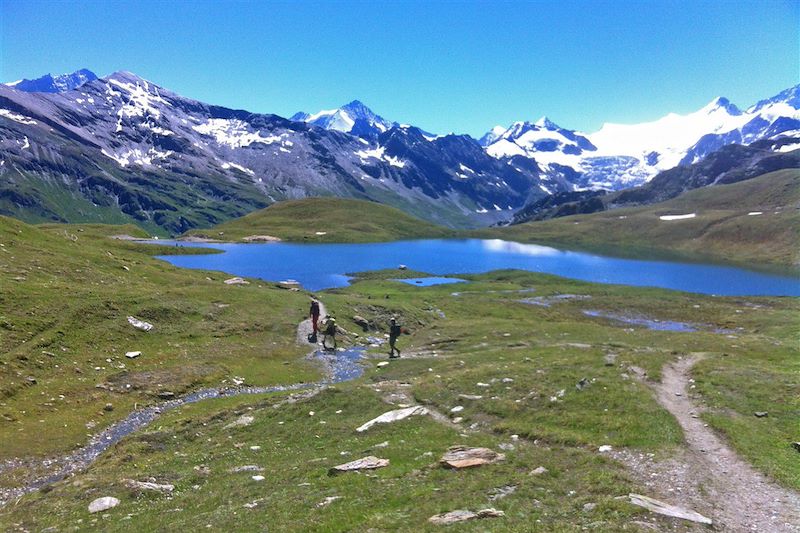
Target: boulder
[(365, 463), (538, 471), (393, 416), (461, 515), (103, 504), (459, 457), (236, 281), (362, 322)]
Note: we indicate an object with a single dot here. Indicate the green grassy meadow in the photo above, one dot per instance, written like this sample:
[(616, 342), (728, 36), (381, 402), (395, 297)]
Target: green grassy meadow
[(66, 292)]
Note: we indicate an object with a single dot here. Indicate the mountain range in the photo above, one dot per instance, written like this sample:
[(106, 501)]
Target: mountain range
[(121, 148)]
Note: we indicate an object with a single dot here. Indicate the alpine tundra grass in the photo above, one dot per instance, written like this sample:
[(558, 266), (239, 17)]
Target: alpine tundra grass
[(508, 360)]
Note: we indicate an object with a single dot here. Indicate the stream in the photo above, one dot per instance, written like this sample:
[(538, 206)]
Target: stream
[(340, 366)]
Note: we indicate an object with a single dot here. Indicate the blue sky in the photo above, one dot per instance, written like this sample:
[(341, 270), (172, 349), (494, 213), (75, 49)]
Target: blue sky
[(444, 66)]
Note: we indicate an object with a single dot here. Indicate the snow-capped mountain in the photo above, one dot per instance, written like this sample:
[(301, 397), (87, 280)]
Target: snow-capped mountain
[(54, 84), (626, 155), (354, 118), (124, 148)]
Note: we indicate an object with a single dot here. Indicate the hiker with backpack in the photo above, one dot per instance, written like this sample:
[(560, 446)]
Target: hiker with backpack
[(313, 313), (394, 332), (329, 332)]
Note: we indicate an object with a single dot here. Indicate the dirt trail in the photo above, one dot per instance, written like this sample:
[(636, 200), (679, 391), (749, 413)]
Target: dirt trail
[(733, 493)]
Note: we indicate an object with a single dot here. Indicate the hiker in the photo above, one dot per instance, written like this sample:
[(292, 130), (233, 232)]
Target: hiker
[(394, 332), (314, 315), (329, 331)]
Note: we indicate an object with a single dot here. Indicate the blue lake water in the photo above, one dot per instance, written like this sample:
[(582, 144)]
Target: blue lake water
[(322, 266)]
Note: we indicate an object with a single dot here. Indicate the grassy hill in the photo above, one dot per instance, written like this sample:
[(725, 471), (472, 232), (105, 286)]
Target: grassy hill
[(722, 228), (326, 220)]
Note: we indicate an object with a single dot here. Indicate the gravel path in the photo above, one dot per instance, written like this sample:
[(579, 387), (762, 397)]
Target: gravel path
[(709, 476)]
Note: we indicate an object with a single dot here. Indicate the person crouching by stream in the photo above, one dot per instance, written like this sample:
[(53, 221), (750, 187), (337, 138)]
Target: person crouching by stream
[(329, 333), (394, 332), (313, 313)]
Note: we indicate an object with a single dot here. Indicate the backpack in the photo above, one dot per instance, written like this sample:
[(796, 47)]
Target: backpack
[(330, 328), (394, 330)]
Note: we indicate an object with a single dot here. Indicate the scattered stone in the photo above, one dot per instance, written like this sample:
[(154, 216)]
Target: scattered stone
[(461, 515), (166, 395), (383, 444), (610, 359), (146, 485), (242, 421), (761, 414), (457, 409), (582, 384), (394, 416), (246, 468), (589, 507), (365, 463), (796, 446), (470, 396), (666, 509), (139, 324), (484, 385), (258, 478), (132, 355), (327, 501), (255, 448), (103, 504), (506, 446), (383, 363), (459, 457), (605, 448), (538, 471), (507, 380), (108, 407), (502, 492), (236, 281)]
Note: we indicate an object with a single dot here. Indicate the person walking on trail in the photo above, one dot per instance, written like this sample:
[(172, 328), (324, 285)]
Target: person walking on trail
[(313, 313), (329, 333), (394, 332)]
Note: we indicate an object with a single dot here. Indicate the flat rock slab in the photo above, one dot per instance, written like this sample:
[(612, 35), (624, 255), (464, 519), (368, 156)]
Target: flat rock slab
[(146, 485), (666, 509), (236, 281), (242, 421), (394, 416), (464, 457), (365, 463), (139, 324), (103, 504), (132, 355), (462, 515)]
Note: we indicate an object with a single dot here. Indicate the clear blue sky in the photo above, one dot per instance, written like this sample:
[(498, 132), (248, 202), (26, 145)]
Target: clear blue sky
[(444, 66)]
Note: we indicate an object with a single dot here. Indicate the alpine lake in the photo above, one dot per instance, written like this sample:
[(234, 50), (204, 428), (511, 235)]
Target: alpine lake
[(323, 266)]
